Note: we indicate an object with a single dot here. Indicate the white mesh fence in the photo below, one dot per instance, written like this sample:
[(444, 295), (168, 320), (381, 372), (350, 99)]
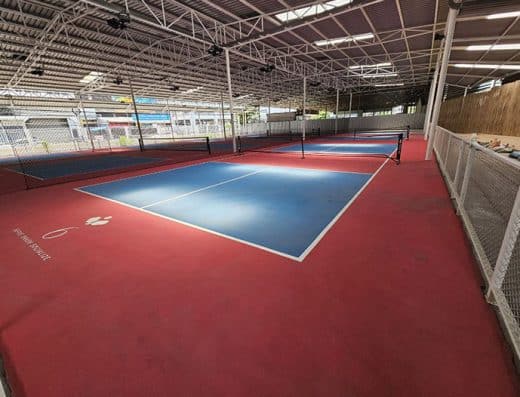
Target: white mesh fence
[(485, 188)]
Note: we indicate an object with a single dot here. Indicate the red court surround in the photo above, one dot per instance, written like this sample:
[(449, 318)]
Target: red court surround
[(388, 304)]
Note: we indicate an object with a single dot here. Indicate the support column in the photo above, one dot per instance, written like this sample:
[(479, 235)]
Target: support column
[(350, 111), (337, 111), (289, 124), (201, 127), (230, 92), (170, 116), (223, 116), (431, 97), (464, 98), (269, 115), (141, 147), (304, 106), (87, 125), (450, 29)]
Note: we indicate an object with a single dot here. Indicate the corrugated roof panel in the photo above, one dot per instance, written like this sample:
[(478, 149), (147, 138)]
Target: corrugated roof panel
[(418, 12), (384, 16)]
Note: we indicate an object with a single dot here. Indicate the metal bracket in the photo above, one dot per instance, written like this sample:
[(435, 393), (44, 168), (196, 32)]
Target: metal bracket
[(455, 5)]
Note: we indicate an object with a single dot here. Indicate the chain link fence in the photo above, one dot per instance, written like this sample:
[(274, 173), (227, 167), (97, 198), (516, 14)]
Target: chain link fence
[(485, 188)]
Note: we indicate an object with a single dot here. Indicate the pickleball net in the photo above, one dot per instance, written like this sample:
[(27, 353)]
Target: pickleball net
[(193, 144)]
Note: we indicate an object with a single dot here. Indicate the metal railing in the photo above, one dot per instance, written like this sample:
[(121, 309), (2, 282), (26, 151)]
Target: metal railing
[(485, 188)]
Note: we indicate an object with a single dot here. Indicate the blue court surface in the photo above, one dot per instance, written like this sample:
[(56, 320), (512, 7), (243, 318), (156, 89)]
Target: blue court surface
[(279, 209), (342, 148), (69, 167)]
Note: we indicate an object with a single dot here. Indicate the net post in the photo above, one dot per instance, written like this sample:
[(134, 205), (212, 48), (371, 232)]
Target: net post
[(208, 145), (303, 150), (407, 132), (239, 144), (399, 148)]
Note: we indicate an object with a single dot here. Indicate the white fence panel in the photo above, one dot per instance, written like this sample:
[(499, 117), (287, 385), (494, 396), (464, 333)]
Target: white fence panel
[(485, 187)]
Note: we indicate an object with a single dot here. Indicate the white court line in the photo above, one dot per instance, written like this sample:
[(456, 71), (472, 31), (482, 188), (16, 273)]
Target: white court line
[(25, 174), (301, 258), (294, 258), (339, 214), (204, 188)]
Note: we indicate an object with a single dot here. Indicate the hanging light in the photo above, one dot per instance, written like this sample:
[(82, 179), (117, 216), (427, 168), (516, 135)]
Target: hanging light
[(215, 50)]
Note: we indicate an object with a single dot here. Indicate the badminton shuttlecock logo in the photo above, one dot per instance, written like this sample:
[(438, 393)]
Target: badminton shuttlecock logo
[(98, 221)]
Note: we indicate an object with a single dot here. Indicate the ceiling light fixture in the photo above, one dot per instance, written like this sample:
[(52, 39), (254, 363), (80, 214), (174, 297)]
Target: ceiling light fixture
[(119, 22), (37, 71), (379, 75), (267, 68), (486, 66), (91, 77), (348, 39), (313, 10), (389, 85), (494, 47), (377, 65), (215, 50), (512, 14)]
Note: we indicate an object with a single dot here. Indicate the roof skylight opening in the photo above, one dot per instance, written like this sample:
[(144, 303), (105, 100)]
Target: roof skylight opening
[(89, 78), (512, 14), (313, 10), (348, 39), (496, 47)]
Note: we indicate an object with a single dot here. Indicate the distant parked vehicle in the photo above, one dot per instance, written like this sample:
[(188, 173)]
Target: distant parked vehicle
[(25, 141)]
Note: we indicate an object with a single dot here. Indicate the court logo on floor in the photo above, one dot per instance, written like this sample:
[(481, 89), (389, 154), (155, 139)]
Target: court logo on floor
[(94, 221), (98, 221)]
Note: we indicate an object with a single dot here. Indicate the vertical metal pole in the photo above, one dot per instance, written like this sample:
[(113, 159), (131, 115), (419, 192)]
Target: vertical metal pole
[(447, 151), (350, 111), (86, 123), (170, 116), (223, 116), (431, 97), (506, 249), (337, 111), (176, 117), (464, 98), (230, 91), (289, 123), (141, 147), (269, 115), (458, 168), (450, 29), (467, 175), (304, 105)]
